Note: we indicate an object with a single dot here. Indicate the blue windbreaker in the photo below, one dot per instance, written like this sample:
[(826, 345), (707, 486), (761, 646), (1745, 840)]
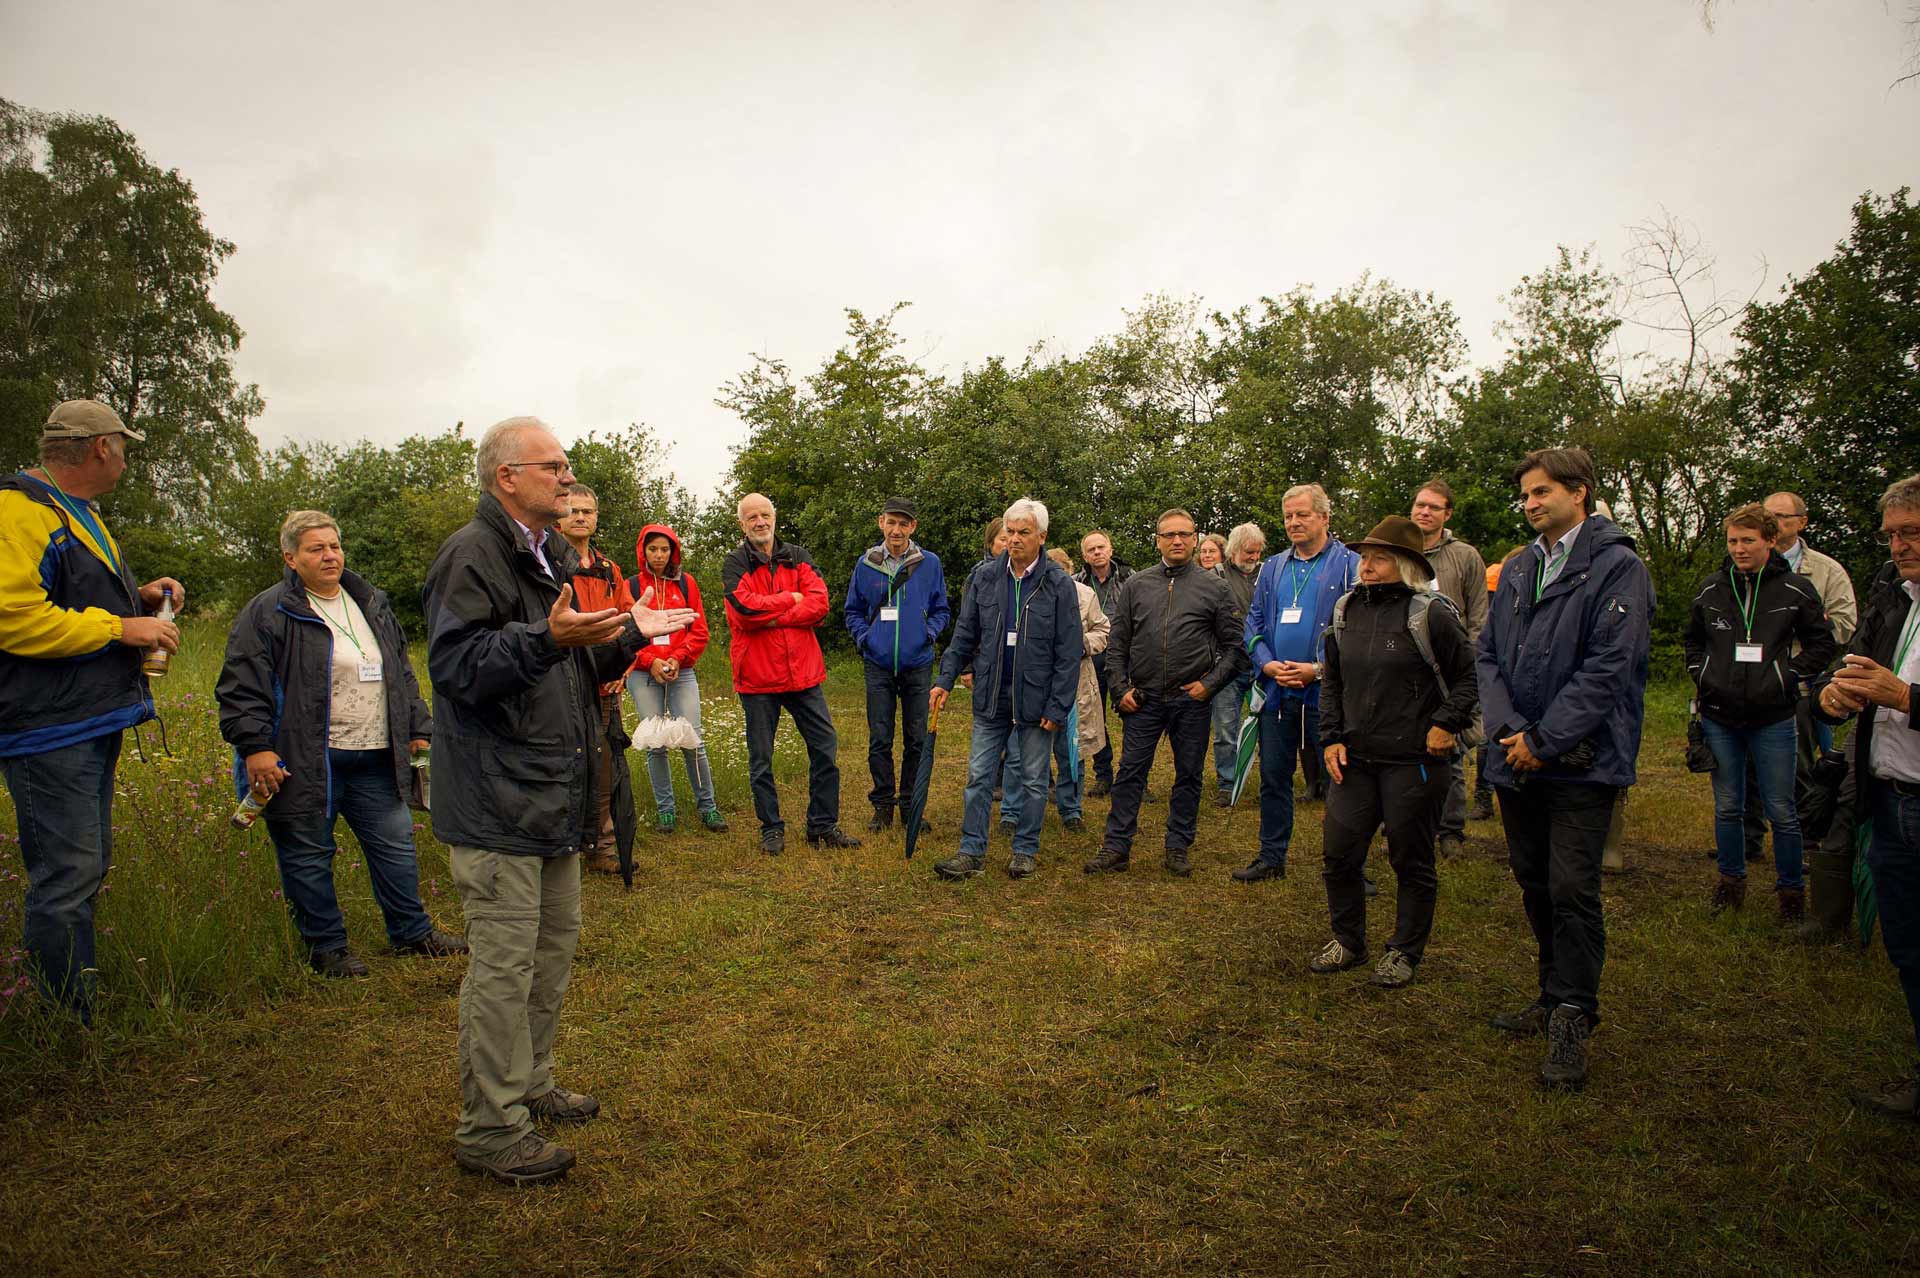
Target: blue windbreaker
[(918, 589)]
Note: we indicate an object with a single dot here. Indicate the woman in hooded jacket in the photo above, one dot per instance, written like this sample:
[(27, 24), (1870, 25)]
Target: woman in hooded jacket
[(662, 681)]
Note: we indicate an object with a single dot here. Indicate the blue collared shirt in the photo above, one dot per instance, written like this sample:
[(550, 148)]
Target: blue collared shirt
[(1796, 554), (1555, 557)]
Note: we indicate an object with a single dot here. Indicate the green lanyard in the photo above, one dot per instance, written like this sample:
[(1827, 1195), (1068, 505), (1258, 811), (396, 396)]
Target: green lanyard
[(1748, 604), (1907, 633), (1301, 580), (347, 612), (1540, 573)]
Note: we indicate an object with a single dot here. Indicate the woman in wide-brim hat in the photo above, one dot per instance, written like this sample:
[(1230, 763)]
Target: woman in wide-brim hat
[(1396, 691)]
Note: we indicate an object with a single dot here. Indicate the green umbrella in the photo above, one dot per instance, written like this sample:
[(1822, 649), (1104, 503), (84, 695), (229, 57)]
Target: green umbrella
[(1248, 744), (1865, 909)]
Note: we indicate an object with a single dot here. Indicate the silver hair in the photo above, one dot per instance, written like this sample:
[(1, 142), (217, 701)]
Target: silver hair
[(302, 522), (1028, 508), (1793, 499), (1417, 576), (1322, 504), (1903, 493), (500, 439), (1242, 534)]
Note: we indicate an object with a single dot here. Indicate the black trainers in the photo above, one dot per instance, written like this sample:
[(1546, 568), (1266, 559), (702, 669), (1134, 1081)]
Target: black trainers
[(339, 964), (530, 1161), (1021, 866), (1259, 871), (834, 838), (958, 866), (882, 819), (562, 1106), (435, 944), (1566, 1064), (1178, 862), (1107, 861), (773, 842), (1902, 1100), (1101, 788), (1529, 1020)]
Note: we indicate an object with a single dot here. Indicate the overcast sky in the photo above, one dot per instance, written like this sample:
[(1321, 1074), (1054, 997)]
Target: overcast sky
[(596, 212)]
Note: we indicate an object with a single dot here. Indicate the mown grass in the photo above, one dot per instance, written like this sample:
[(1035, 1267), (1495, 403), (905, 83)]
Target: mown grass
[(827, 1064)]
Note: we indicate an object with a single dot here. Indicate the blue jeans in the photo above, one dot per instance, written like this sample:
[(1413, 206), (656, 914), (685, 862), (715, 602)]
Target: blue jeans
[(808, 706), (63, 801), (887, 690), (682, 698), (1894, 858), (1287, 725), (993, 739), (1226, 728), (362, 791), (1771, 750)]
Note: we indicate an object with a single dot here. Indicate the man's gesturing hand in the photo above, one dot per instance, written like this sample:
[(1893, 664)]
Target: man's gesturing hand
[(571, 628), (659, 621)]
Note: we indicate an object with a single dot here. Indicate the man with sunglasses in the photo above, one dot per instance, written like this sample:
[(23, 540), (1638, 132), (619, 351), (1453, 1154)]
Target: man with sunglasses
[(517, 672)]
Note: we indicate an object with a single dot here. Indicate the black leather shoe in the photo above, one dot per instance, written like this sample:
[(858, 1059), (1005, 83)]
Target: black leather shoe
[(834, 838), (339, 964), (1259, 871), (773, 842), (882, 819), (1107, 861), (1178, 862), (435, 944), (1100, 788)]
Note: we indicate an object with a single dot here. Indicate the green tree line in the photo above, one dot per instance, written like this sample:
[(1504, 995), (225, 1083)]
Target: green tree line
[(1691, 400)]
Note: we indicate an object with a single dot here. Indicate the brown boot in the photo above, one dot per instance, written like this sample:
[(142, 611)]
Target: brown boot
[(1728, 894), (1793, 906), (602, 860)]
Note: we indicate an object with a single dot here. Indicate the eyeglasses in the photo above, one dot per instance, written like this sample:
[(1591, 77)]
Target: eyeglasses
[(555, 468), (1177, 536), (1906, 536)]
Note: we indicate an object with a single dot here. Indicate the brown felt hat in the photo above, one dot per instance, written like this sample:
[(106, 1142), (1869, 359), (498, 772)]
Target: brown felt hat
[(85, 419), (1401, 535)]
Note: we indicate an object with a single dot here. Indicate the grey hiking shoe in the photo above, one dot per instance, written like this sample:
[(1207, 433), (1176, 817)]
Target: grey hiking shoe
[(1395, 971), (562, 1106), (1528, 1021), (1566, 1064), (1179, 862), (1902, 1100), (1335, 957), (1107, 861), (339, 964), (958, 866), (434, 944), (1021, 866), (530, 1161)]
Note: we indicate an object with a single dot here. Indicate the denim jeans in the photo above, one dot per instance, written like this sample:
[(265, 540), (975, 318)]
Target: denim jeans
[(682, 699), (1556, 831), (808, 706), (886, 689), (63, 801), (1894, 858), (362, 791), (1287, 726), (1226, 728), (1406, 798), (1009, 783), (1184, 722), (993, 741), (1771, 750)]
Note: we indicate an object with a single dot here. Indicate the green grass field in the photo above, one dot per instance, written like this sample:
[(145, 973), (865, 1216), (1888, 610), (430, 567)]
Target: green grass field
[(828, 1064)]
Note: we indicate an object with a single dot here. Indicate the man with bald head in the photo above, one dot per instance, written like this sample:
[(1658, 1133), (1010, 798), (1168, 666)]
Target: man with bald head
[(775, 599), (516, 674)]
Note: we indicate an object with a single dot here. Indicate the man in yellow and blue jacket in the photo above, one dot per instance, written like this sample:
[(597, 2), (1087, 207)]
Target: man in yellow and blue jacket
[(74, 628)]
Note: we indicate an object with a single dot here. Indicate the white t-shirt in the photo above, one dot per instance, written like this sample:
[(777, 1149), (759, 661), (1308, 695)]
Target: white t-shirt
[(358, 719)]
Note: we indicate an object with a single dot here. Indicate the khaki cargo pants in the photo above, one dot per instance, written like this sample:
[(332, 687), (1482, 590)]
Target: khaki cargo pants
[(523, 920)]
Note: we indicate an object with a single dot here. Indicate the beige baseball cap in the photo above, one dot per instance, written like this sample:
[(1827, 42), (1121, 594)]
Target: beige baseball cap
[(85, 419)]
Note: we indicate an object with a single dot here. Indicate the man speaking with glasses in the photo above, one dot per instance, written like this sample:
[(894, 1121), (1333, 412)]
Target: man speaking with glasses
[(1175, 644), (516, 673)]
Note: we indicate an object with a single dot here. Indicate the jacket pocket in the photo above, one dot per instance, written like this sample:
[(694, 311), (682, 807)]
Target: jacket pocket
[(532, 792)]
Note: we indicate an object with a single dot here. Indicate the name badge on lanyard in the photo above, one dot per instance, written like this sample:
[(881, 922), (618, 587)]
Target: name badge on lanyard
[(370, 671), (1747, 652), (1013, 638), (1290, 616), (889, 614)]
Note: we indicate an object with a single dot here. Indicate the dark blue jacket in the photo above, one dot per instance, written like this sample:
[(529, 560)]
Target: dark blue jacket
[(1572, 666), (1046, 655), (918, 590)]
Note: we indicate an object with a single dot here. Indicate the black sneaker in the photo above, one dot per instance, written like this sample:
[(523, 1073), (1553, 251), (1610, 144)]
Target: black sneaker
[(1902, 1100), (562, 1106), (773, 842), (530, 1161), (1101, 788), (1529, 1020), (882, 819), (832, 839), (1107, 861), (339, 964), (1259, 871), (1178, 863), (1021, 866), (1566, 1063), (435, 944), (958, 866)]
